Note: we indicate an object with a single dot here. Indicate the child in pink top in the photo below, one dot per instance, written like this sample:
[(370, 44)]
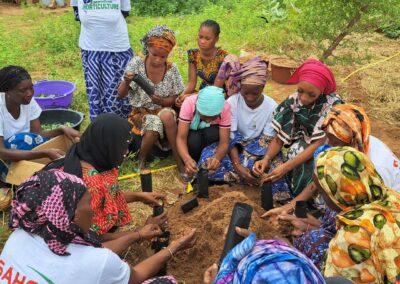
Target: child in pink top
[(204, 119)]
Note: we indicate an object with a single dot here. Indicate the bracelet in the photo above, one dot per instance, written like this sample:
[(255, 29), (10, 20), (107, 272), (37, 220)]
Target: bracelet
[(170, 252)]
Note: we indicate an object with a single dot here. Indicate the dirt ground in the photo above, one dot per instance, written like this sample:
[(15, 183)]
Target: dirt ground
[(210, 218)]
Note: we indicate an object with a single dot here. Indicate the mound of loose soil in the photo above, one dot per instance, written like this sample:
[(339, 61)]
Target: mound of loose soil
[(211, 219)]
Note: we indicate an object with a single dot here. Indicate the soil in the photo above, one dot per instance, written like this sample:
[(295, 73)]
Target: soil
[(211, 218)]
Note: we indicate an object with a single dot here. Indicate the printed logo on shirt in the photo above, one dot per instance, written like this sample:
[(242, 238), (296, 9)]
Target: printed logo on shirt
[(11, 275), (100, 5)]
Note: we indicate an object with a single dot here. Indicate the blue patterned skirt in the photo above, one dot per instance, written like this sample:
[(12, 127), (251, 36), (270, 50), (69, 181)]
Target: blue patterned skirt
[(249, 152)]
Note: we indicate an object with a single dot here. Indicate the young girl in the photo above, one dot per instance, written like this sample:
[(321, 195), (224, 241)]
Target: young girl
[(203, 120), (298, 121), (205, 61), (153, 119), (20, 129), (251, 127)]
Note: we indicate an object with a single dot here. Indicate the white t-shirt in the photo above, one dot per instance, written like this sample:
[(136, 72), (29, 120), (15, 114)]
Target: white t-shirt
[(10, 126), (103, 27), (26, 256), (251, 123), (385, 162)]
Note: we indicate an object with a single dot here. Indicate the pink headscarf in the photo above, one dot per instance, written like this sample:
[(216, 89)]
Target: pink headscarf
[(317, 73)]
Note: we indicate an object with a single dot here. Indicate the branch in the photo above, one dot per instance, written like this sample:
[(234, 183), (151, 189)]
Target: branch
[(345, 32)]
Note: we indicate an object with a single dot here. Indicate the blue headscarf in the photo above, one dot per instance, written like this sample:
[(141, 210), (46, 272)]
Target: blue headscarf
[(210, 102), (267, 261)]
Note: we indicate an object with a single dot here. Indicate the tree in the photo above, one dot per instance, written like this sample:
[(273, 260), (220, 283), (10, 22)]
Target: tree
[(327, 22)]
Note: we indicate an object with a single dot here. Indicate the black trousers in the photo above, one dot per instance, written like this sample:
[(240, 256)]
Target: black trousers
[(199, 139)]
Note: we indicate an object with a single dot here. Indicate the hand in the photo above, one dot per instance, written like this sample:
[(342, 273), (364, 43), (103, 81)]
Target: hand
[(240, 231), (184, 242), (300, 225), (150, 231), (71, 133), (245, 174), (128, 77), (276, 174), (180, 99), (285, 209), (191, 166), (212, 164), (159, 220), (151, 198), (156, 99), (210, 274), (54, 154), (260, 167)]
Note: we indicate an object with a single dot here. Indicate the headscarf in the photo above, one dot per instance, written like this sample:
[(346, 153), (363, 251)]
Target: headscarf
[(11, 76), (45, 205), (317, 73), (103, 145), (160, 37), (210, 102), (267, 261), (235, 74), (350, 124), (366, 247)]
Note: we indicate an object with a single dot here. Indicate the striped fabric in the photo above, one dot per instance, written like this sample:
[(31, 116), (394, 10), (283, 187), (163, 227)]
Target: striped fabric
[(103, 71)]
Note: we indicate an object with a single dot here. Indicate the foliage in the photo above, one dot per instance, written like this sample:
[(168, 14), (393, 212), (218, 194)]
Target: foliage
[(333, 16), (391, 31), (167, 7)]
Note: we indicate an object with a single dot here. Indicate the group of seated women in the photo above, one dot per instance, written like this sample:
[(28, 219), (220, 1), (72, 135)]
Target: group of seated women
[(311, 147)]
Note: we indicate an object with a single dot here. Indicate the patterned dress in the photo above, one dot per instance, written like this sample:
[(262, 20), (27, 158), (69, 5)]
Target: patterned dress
[(298, 126), (206, 70), (103, 71), (145, 114), (366, 247), (108, 202)]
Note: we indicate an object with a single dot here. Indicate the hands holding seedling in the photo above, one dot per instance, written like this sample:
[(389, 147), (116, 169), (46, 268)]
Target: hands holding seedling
[(128, 77), (151, 198)]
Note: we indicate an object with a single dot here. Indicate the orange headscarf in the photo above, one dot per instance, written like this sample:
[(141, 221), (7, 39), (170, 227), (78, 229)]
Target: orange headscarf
[(350, 124), (160, 37)]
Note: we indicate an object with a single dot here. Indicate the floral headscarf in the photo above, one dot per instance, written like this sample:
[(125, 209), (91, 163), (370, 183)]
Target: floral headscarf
[(366, 248)]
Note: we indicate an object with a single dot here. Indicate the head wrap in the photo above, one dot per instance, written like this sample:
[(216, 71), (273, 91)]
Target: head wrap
[(45, 205), (235, 74), (210, 102), (267, 261), (350, 124), (368, 226), (316, 73), (160, 37), (348, 177), (103, 145), (11, 76)]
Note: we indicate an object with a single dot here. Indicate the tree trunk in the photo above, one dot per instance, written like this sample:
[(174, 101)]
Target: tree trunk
[(344, 33)]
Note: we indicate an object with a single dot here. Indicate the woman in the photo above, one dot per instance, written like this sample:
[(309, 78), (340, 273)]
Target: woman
[(264, 261), (52, 242), (153, 119), (104, 42), (251, 128), (205, 61), (345, 125), (298, 121), (95, 159), (20, 129), (204, 119), (366, 247)]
